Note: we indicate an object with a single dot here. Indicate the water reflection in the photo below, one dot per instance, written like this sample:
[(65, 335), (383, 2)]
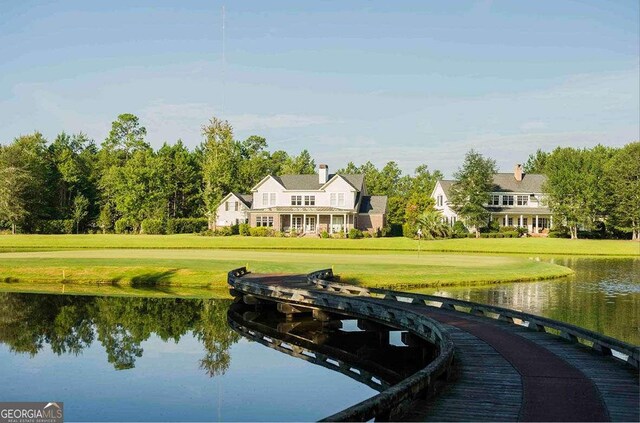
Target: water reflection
[(71, 324), (376, 355), (603, 295)]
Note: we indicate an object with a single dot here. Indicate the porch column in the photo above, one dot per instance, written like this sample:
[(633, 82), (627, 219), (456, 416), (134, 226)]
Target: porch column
[(344, 221), (330, 224), (506, 219), (536, 230), (318, 223), (521, 222), (550, 222), (304, 223), (290, 221)]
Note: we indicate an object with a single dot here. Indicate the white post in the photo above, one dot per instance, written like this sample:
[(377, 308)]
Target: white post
[(304, 223), (551, 223), (537, 230), (331, 224), (521, 222), (344, 222), (506, 219), (318, 223), (290, 222)]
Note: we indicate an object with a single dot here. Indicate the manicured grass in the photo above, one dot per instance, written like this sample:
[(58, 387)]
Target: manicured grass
[(182, 272), (539, 246)]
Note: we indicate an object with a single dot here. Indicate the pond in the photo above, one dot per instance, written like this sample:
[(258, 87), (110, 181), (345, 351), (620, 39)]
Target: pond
[(603, 295), (152, 359)]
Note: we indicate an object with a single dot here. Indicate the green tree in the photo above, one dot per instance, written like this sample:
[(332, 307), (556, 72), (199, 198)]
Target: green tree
[(221, 157), (126, 135), (25, 172), (622, 174), (471, 190), (536, 162), (80, 210), (575, 186), (302, 164)]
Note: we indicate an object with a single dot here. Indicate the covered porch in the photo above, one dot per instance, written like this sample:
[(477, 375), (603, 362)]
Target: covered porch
[(316, 223), (535, 223)]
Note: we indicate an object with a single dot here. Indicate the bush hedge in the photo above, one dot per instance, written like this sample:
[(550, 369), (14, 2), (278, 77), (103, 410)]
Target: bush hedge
[(244, 229), (261, 231), (152, 227), (125, 226), (59, 226), (187, 225), (355, 233)]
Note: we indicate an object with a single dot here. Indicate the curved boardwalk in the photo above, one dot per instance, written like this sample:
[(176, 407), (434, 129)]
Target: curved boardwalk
[(503, 371)]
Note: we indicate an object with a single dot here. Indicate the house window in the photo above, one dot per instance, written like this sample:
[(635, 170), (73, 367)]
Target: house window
[(265, 198), (272, 199), (332, 199), (523, 200), (264, 221), (296, 200), (507, 200), (439, 200), (226, 206), (510, 221), (309, 200), (525, 221), (236, 206), (340, 199), (494, 200)]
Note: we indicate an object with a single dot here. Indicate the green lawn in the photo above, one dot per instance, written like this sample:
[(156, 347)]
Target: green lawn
[(528, 246), (182, 272)]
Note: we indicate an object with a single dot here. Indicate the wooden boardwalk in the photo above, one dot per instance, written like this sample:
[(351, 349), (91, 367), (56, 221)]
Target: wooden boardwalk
[(503, 371)]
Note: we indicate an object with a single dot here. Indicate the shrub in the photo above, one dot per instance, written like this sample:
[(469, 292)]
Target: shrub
[(493, 226), (223, 231), (459, 228), (244, 229), (125, 226), (355, 233), (558, 234), (261, 231), (324, 234), (367, 234), (187, 225), (152, 227), (62, 226), (409, 230), (511, 234)]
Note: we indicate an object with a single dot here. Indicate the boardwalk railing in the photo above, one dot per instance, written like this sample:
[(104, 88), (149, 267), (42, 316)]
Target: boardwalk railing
[(603, 344), (382, 405)]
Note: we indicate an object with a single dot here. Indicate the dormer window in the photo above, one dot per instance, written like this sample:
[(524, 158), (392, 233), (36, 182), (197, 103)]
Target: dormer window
[(523, 200), (494, 200), (507, 200), (439, 200)]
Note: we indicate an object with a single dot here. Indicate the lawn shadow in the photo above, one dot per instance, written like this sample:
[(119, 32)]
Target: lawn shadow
[(156, 281)]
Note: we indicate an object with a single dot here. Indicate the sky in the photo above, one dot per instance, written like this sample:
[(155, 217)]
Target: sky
[(417, 82)]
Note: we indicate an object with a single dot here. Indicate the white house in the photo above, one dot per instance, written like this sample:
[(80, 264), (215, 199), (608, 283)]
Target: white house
[(314, 203), (516, 200), (233, 209)]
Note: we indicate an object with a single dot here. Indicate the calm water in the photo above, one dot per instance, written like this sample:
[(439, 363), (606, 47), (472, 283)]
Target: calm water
[(603, 295), (155, 359)]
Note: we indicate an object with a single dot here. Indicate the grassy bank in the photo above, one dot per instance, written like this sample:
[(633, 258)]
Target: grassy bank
[(539, 246), (183, 272)]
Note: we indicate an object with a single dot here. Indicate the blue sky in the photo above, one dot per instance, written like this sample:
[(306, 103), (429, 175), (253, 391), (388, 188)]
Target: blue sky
[(415, 82)]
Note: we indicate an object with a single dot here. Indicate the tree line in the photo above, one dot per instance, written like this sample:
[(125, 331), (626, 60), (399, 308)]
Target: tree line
[(72, 184)]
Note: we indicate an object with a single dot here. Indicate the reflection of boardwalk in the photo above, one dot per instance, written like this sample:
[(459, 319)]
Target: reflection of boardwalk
[(505, 371)]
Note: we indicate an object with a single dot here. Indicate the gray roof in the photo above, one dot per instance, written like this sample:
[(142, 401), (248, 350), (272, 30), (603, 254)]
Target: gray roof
[(312, 182), (446, 185), (505, 182), (373, 204), (247, 199)]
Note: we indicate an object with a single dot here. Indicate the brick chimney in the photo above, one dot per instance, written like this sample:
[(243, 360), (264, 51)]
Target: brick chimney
[(517, 172), (323, 173)]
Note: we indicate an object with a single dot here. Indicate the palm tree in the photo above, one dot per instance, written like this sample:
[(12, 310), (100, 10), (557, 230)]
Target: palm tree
[(432, 225)]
